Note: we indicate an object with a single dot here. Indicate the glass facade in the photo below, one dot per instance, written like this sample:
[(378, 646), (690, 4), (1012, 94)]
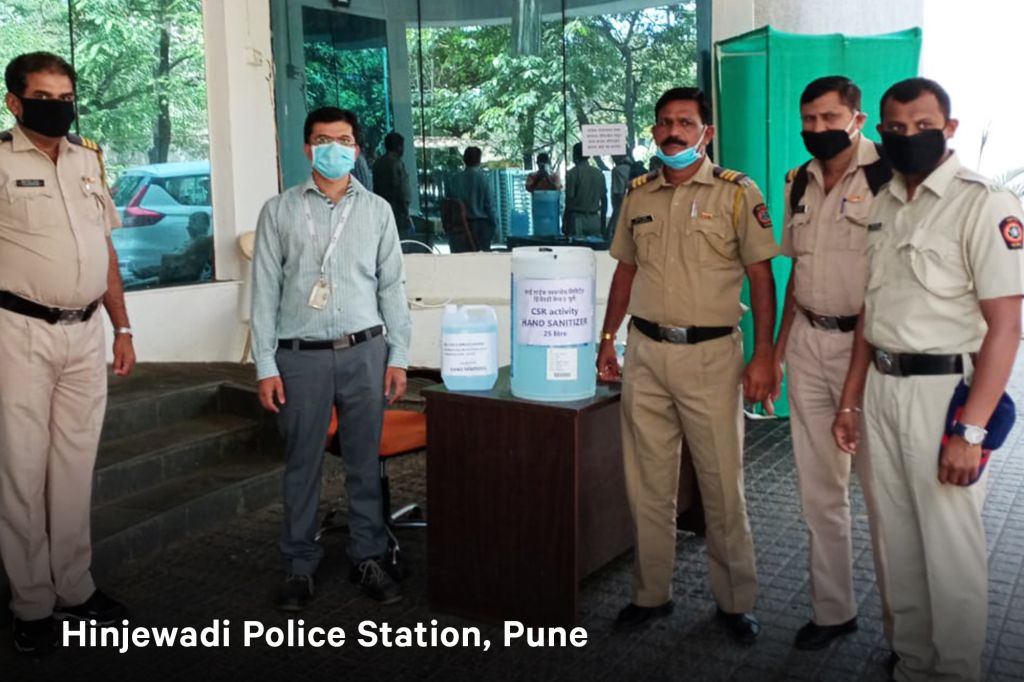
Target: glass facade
[(513, 78)]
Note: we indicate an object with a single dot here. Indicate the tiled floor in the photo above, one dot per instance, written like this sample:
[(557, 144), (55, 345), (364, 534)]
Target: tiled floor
[(231, 573)]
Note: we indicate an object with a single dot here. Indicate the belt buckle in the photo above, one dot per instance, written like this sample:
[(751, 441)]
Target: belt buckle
[(675, 334), (825, 322), (342, 343), (886, 362), (69, 316)]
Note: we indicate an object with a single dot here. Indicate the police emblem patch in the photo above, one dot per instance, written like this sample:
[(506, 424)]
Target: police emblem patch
[(1013, 232), (762, 217)]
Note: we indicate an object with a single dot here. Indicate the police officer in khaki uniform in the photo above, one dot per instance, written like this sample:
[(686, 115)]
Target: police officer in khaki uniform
[(943, 304), (57, 264), (686, 238), (827, 204)]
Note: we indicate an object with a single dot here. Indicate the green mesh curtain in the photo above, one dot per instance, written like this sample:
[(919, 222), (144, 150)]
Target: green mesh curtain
[(759, 78)]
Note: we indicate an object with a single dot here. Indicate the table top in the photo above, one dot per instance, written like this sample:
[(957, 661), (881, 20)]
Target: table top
[(502, 392)]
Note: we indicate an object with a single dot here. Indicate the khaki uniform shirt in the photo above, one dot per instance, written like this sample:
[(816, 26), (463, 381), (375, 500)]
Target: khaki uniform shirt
[(690, 243), (827, 237), (54, 223), (931, 259)]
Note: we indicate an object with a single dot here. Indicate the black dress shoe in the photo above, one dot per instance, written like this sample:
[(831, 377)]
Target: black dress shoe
[(295, 594), (634, 617), (98, 607), (35, 637), (743, 627), (812, 636)]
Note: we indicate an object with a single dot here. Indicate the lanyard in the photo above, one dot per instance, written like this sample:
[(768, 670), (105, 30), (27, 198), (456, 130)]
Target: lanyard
[(346, 208)]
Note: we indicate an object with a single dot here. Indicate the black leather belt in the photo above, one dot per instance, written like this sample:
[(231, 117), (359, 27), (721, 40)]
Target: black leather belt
[(845, 323), (679, 334), (23, 306), (331, 344), (911, 364)]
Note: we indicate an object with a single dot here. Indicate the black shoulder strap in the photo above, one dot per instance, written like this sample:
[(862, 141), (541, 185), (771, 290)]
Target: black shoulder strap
[(878, 173), (796, 193)]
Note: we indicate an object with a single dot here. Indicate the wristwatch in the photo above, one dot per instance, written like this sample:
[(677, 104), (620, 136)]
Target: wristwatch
[(974, 435), (607, 336), (123, 330)]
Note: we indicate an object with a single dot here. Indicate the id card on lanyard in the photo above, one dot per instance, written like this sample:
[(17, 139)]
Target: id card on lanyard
[(321, 292)]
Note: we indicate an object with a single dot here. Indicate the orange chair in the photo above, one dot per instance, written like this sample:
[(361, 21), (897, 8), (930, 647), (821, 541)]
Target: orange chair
[(404, 433)]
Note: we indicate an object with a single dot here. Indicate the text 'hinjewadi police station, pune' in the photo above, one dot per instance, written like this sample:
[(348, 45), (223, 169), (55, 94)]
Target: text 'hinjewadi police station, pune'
[(222, 634)]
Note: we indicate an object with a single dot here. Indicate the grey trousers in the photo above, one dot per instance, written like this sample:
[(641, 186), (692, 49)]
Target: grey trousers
[(353, 380)]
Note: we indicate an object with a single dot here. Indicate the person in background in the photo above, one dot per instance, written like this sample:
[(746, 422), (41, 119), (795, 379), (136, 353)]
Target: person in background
[(470, 186), (391, 181), (543, 179), (57, 265), (620, 182), (586, 197), (942, 306), (362, 172), (328, 279)]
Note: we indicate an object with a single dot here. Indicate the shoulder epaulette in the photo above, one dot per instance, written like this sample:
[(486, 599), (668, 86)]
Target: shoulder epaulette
[(791, 175), (6, 136), (93, 146), (731, 176), (85, 142), (972, 176), (642, 180)]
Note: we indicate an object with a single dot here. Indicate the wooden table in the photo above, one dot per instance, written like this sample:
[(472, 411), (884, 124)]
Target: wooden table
[(524, 499)]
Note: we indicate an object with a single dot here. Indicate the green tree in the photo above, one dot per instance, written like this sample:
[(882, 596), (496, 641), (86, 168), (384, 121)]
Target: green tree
[(141, 85)]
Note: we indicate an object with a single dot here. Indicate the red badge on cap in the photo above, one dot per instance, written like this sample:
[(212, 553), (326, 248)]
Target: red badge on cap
[(765, 220), (1013, 232)]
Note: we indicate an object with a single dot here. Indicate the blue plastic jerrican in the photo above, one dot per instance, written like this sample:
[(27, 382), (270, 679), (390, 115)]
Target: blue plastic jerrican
[(469, 348), (553, 326), (547, 211)]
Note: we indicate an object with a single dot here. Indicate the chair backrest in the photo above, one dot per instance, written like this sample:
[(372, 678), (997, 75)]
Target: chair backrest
[(247, 244), (404, 431)]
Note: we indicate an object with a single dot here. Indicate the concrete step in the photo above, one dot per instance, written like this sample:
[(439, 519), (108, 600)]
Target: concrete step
[(150, 458), (138, 411), (148, 521)]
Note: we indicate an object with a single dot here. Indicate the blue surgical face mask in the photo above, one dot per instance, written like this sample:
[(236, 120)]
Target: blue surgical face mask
[(685, 158), (333, 160)]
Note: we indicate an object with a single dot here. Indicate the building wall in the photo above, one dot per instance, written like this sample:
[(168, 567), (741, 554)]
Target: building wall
[(205, 323), (864, 17)]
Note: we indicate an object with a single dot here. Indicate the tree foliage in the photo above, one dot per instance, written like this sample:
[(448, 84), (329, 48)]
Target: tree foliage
[(141, 73), (617, 66)]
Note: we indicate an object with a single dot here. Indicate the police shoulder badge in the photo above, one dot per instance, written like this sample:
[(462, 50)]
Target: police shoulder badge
[(1012, 232), (761, 214)]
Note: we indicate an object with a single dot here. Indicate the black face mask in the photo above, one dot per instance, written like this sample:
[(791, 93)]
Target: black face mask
[(49, 117), (826, 144), (915, 154)]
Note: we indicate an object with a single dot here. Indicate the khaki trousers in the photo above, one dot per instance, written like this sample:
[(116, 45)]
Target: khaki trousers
[(933, 536), (53, 388), (672, 390), (817, 363)]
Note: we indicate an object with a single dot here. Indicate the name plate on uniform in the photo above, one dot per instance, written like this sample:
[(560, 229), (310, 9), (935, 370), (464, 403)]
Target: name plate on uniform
[(30, 183)]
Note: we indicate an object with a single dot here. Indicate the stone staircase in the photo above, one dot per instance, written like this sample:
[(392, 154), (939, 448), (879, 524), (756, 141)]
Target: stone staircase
[(178, 455), (185, 448)]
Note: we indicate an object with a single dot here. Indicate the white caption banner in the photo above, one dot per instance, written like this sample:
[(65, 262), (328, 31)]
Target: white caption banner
[(604, 139), (554, 312)]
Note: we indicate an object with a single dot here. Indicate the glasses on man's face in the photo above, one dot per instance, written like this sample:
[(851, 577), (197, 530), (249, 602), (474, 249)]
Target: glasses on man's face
[(344, 141)]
